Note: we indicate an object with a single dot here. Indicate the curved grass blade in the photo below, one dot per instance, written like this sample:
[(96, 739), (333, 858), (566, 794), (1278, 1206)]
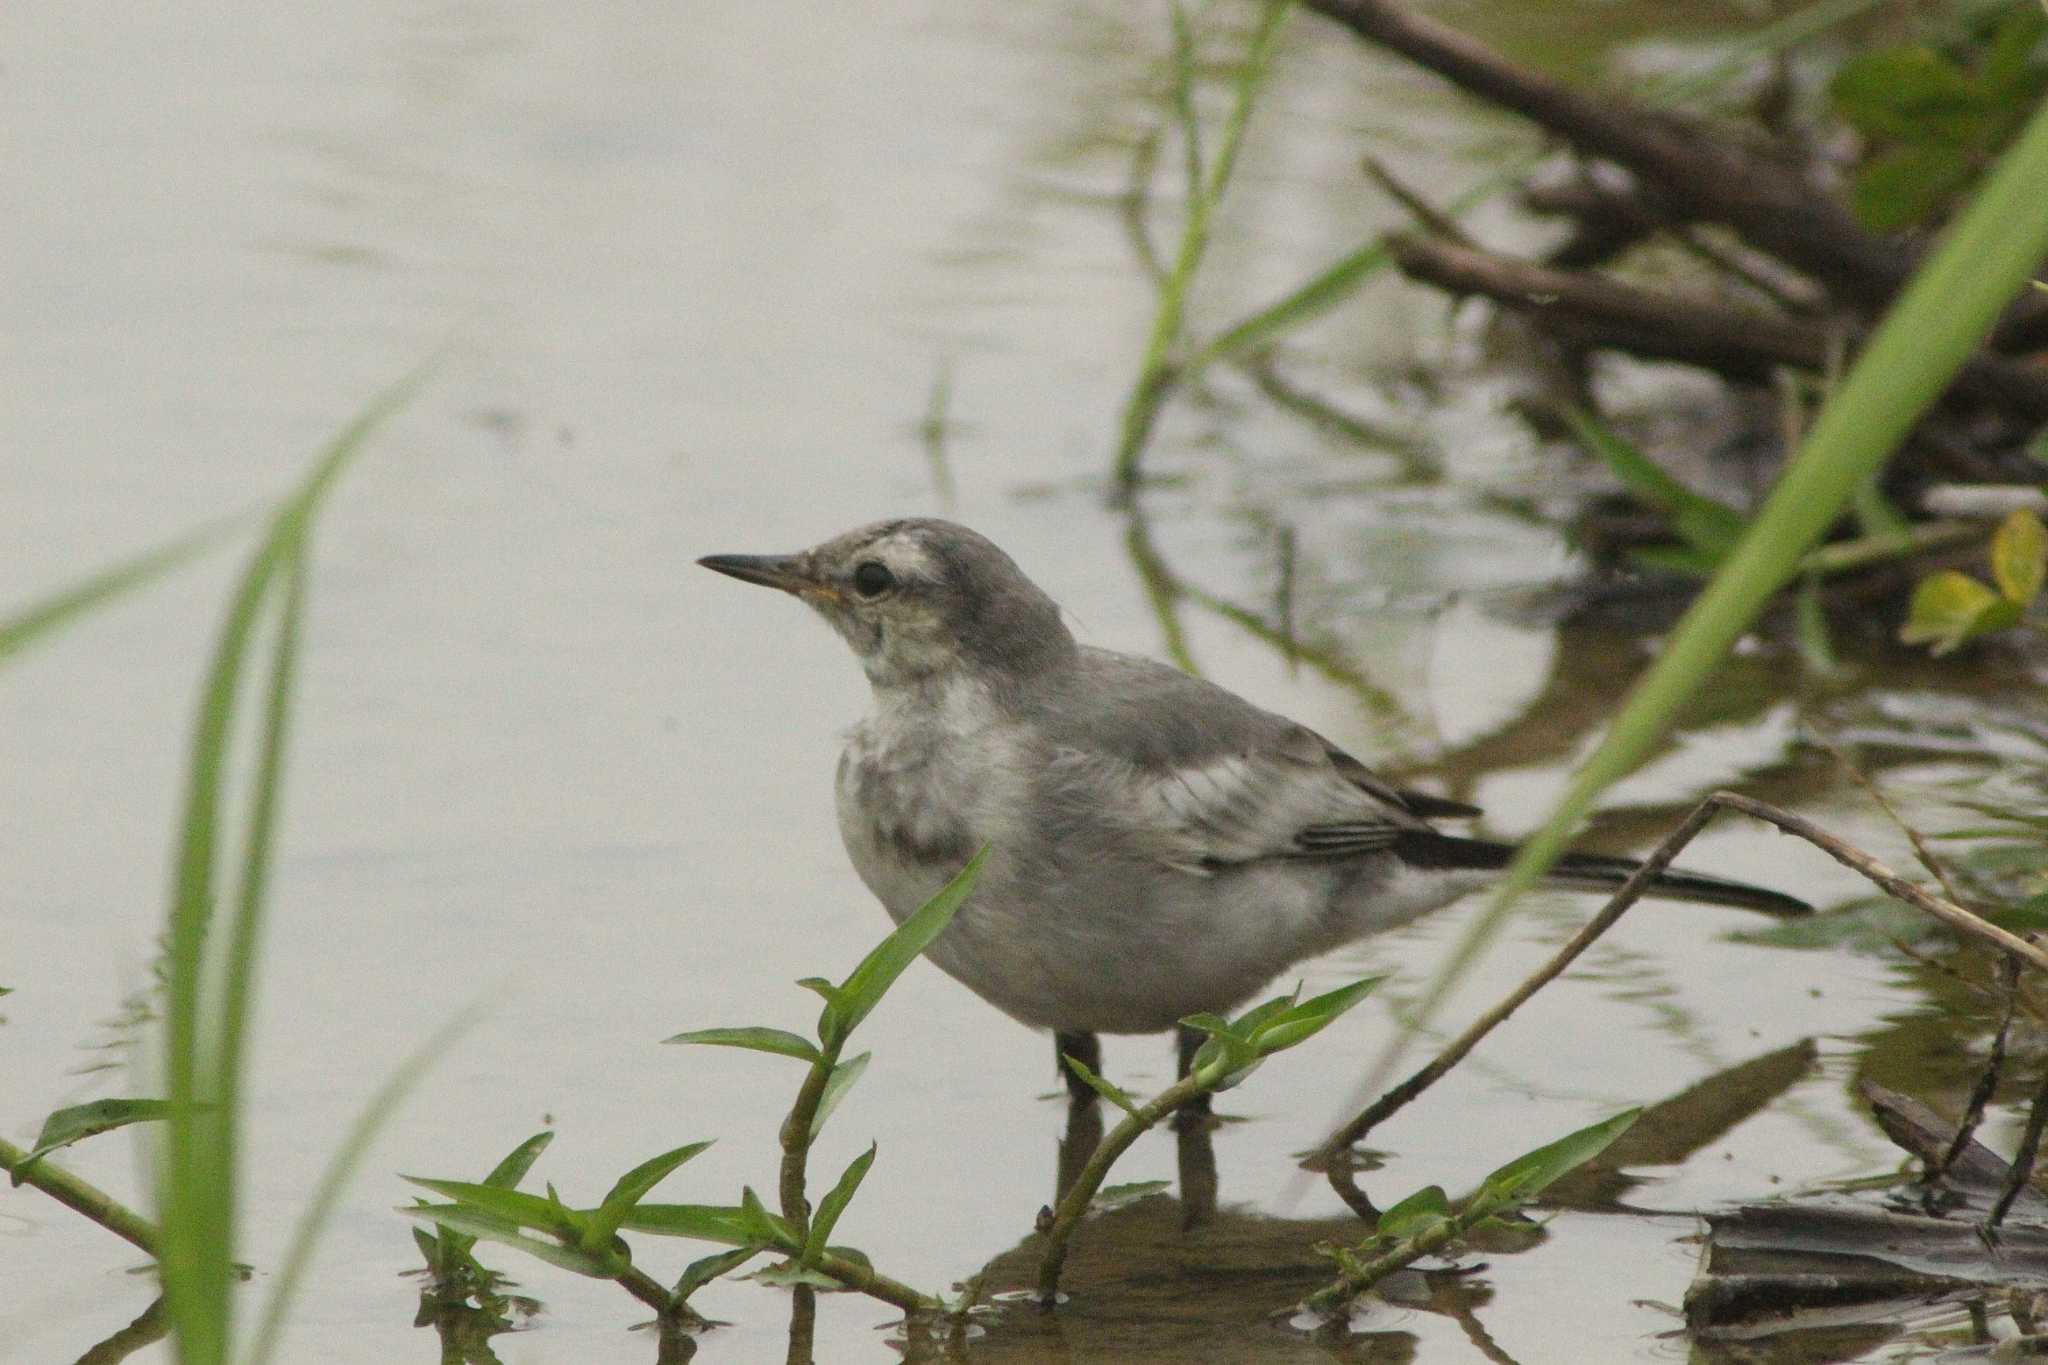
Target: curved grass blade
[(298, 1253), (31, 623), (208, 991)]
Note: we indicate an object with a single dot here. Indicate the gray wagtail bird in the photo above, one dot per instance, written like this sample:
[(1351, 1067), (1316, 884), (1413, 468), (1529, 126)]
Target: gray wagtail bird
[(1158, 846)]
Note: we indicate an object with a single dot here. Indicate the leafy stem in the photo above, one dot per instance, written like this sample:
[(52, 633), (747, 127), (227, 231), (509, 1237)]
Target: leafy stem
[(1059, 1233)]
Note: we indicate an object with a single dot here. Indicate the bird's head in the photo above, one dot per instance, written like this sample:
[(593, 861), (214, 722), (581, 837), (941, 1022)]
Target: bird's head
[(917, 599)]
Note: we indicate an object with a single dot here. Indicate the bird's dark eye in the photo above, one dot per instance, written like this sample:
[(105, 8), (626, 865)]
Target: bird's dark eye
[(872, 578)]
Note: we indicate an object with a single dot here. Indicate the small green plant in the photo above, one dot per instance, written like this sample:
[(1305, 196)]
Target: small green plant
[(455, 1272), (1950, 608), (587, 1240), (1425, 1222), (1235, 1049)]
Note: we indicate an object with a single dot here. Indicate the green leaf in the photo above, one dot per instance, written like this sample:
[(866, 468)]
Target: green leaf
[(762, 1227), (81, 1121), (863, 989), (1710, 528), (2019, 556), (1904, 185), (734, 1225), (513, 1206), (706, 1269), (631, 1188), (775, 1040), (2006, 72), (1950, 608), (1310, 1017), (1908, 92), (834, 1203), (1415, 1215), (479, 1225), (1246, 1025), (1530, 1174), (1108, 1089), (519, 1161), (836, 1085), (1116, 1196), (1677, 559), (789, 1274), (1224, 1061), (1215, 1025)]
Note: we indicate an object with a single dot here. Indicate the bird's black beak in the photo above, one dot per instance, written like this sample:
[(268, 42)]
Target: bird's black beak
[(787, 572)]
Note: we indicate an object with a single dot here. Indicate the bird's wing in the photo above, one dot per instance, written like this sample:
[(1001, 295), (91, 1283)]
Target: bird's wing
[(1202, 779)]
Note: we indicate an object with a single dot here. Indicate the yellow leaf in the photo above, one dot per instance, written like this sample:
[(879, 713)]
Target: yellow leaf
[(2019, 556)]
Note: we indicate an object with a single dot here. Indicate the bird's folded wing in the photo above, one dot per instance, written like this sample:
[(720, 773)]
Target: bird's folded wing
[(1283, 799)]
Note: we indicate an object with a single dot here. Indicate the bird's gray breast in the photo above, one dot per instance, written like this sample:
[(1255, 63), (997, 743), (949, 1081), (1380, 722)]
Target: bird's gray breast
[(908, 798)]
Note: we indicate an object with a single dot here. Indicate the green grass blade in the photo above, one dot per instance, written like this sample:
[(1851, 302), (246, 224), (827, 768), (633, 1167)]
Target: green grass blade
[(1706, 525), (1141, 407), (39, 619), (341, 1167), (196, 1184)]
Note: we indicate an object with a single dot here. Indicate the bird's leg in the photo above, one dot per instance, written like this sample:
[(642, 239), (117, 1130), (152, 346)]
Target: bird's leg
[(1194, 1114), (1084, 1114), (1192, 1126), (1084, 1048)]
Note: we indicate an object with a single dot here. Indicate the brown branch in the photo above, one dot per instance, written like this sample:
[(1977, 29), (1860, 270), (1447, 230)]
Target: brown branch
[(1596, 310), (1330, 1155), (1770, 203)]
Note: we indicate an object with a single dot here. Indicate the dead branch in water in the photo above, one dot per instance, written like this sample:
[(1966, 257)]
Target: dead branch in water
[(1330, 1157)]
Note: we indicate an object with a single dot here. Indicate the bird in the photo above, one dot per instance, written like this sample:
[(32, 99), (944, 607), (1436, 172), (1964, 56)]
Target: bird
[(1158, 846)]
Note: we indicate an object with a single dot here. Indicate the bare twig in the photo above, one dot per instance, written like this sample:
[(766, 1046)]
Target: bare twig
[(2023, 1160), (1935, 867), (1387, 1105), (1704, 177), (1330, 1156), (1419, 208), (1595, 310), (1987, 1080)]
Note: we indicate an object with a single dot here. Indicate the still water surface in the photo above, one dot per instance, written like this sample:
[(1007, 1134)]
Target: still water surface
[(700, 278)]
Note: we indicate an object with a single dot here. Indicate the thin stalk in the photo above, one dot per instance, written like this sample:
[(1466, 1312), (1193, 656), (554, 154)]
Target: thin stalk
[(82, 1196), (867, 1280), (1154, 373), (796, 1142), (1060, 1231), (1356, 1276)]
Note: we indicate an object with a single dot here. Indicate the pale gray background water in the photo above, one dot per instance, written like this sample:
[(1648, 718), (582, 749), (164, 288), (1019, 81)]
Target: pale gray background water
[(693, 271)]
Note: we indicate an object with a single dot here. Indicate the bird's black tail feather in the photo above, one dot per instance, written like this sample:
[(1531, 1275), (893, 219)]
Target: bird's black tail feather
[(1592, 872)]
